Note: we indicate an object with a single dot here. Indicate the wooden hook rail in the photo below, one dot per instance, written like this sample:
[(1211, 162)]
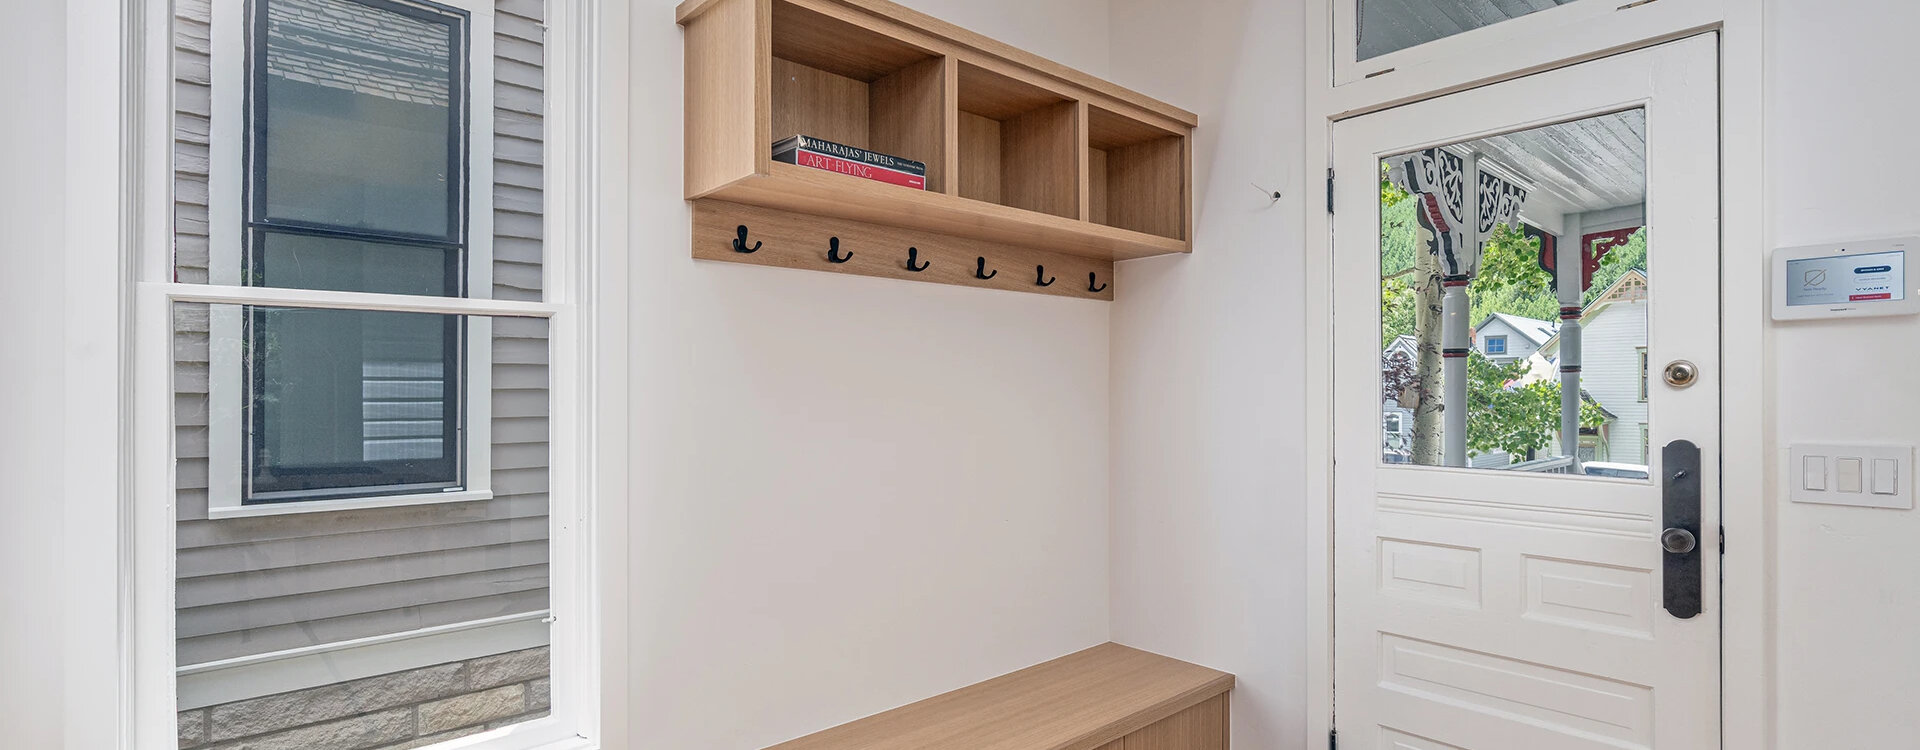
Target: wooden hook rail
[(773, 237)]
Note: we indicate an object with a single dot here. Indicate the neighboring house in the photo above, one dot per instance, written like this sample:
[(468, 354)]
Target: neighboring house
[(1613, 369), (1503, 338)]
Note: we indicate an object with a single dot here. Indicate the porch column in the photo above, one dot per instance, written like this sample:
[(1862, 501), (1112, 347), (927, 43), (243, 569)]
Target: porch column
[(1571, 289), (1456, 330), (1455, 346)]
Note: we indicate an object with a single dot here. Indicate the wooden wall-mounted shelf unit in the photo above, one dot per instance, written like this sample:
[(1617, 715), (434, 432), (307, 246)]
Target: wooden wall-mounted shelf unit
[(1020, 151)]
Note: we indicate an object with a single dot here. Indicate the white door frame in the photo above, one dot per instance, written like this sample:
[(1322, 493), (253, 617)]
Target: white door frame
[(1747, 425)]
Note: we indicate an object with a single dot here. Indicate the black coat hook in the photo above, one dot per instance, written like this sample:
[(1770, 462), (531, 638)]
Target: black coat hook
[(1040, 276), (1090, 285), (913, 256), (980, 269), (740, 242), (833, 251)]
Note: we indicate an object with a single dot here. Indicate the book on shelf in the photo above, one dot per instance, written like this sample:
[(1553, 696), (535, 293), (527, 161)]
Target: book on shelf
[(814, 153)]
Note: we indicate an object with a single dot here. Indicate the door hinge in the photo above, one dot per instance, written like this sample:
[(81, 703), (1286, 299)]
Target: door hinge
[(1329, 190), (1333, 739)]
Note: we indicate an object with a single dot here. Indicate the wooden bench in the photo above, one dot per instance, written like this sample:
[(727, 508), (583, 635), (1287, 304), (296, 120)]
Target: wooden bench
[(1109, 697)]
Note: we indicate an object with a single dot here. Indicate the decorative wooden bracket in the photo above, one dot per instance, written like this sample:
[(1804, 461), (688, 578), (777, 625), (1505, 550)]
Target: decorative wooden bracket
[(790, 240)]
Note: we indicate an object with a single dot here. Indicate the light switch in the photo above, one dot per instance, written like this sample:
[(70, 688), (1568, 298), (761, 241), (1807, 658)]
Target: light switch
[(1814, 470), (1864, 475), (1886, 476), (1847, 474)]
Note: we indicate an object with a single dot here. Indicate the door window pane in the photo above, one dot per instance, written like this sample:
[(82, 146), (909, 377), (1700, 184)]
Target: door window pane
[(1492, 356), (1393, 25), (360, 110)]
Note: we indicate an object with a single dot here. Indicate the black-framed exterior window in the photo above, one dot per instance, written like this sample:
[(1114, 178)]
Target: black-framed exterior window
[(356, 180)]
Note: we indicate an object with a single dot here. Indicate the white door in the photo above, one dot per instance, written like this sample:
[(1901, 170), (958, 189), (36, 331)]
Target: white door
[(1502, 582)]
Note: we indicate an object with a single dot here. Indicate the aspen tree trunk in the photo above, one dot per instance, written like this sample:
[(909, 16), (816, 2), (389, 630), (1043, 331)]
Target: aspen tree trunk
[(1427, 363)]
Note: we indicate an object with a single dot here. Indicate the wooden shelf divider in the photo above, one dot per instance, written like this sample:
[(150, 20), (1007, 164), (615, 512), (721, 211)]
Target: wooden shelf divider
[(1028, 162)]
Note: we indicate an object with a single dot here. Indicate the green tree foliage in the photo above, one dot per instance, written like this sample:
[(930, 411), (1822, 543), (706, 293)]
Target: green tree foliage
[(1399, 241), (1397, 310), (1617, 263), (1511, 280), (1511, 416), (1399, 231)]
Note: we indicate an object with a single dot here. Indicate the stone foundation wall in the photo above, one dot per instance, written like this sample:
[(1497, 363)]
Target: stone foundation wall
[(409, 709)]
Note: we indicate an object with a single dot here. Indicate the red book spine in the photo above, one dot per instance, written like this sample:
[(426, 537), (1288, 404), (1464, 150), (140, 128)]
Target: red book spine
[(865, 171)]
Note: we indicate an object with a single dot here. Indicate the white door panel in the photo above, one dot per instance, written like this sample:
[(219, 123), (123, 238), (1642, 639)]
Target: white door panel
[(1481, 609)]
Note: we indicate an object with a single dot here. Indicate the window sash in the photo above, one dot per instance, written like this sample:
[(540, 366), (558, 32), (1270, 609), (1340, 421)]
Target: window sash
[(334, 481), (459, 126)]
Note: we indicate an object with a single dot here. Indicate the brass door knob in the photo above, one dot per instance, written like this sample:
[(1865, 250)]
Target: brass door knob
[(1681, 373)]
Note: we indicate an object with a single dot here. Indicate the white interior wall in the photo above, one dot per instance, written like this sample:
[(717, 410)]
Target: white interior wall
[(1839, 123), (31, 206), (848, 493), (61, 391), (1208, 508)]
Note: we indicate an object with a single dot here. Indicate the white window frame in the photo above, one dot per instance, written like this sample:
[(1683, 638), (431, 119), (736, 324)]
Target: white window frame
[(584, 314), (226, 185), (1489, 346)]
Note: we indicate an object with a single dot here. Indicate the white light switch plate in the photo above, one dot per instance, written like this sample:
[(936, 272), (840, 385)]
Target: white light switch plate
[(1870, 476)]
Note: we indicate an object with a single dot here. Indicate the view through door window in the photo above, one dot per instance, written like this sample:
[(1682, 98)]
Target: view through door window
[(1513, 301)]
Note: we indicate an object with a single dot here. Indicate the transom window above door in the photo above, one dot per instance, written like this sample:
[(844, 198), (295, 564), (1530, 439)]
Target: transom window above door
[(1386, 26), (1400, 49)]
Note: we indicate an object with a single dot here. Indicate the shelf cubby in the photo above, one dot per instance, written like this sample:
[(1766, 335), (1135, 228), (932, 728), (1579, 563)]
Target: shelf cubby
[(1017, 144), (847, 84), (1136, 175)]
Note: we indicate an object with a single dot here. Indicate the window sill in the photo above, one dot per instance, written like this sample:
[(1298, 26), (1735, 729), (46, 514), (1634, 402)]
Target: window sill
[(356, 503)]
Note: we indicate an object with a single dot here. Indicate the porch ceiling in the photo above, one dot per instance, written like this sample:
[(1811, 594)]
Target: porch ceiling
[(1593, 164)]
